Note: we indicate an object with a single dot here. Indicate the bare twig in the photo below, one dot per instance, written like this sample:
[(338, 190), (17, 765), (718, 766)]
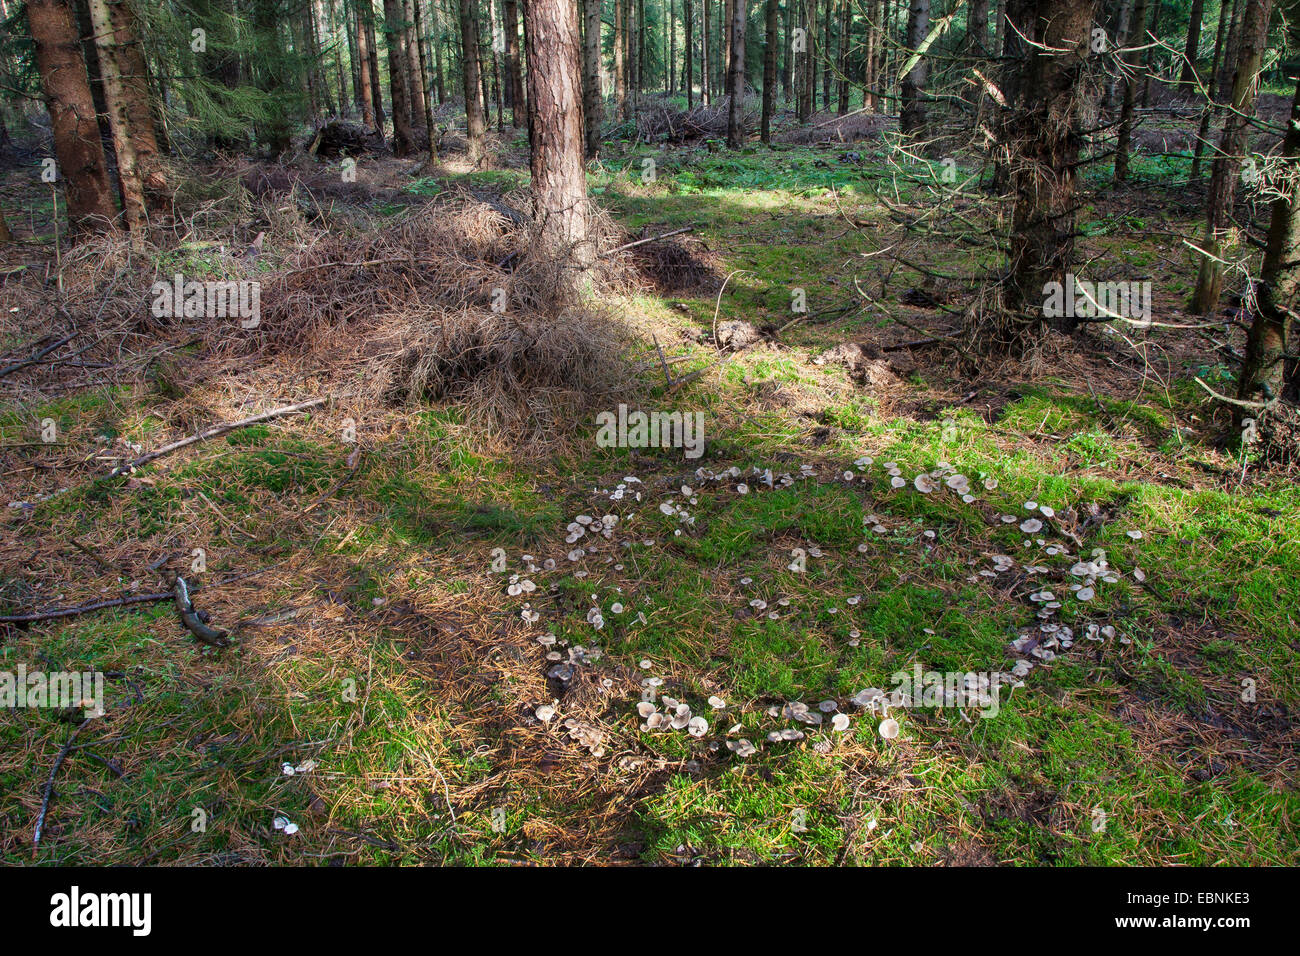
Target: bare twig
[(214, 431)]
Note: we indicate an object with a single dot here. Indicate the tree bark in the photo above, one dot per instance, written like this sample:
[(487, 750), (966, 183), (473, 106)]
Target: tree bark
[(133, 205), (1045, 145), (773, 13), (555, 132), (365, 98), (414, 69), (398, 74), (514, 79), (1135, 64), (593, 101), (1232, 146), (736, 113), (431, 135), (1277, 293), (1190, 75), (705, 86), (134, 71), (846, 23), (689, 13), (475, 122), (372, 56), (912, 119)]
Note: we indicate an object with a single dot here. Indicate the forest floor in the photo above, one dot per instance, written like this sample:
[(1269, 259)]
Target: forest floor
[(390, 695)]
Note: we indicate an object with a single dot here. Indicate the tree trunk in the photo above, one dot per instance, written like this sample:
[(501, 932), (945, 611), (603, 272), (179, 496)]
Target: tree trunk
[(736, 114), (1277, 293), (5, 234), (414, 70), (1232, 146), (1190, 76), (555, 132), (728, 20), (134, 72), (475, 123), (773, 13), (133, 206), (1211, 82), (1045, 144), (689, 14), (911, 120), (592, 96), (398, 73), (705, 29), (1135, 64), (372, 56), (515, 80), (431, 134), (846, 23), (365, 98)]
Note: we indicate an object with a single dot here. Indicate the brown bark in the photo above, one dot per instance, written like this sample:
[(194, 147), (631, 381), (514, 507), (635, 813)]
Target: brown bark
[(728, 23), (593, 101), (134, 71), (364, 97), (1190, 74), (1045, 144), (1232, 146), (5, 234), (842, 62), (78, 150), (421, 49), (912, 118), (689, 15), (1134, 63), (772, 14), (414, 69), (398, 73), (514, 79), (706, 89), (1277, 293), (620, 68), (372, 55), (555, 130), (475, 122), (736, 112), (128, 169), (1212, 84)]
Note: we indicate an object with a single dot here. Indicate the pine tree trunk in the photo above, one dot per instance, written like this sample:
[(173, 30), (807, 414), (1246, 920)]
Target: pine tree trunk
[(846, 22), (421, 50), (518, 102), (705, 30), (134, 71), (476, 125), (728, 21), (689, 13), (1277, 293), (1232, 146), (415, 72), (773, 16), (372, 57), (555, 132), (365, 98), (736, 114), (1189, 75), (1212, 83), (593, 101), (1045, 145), (912, 119), (133, 205), (1135, 63), (398, 74)]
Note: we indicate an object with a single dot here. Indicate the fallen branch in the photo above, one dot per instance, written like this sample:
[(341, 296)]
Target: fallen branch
[(48, 793), (641, 242), (37, 356), (61, 612), (213, 432)]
